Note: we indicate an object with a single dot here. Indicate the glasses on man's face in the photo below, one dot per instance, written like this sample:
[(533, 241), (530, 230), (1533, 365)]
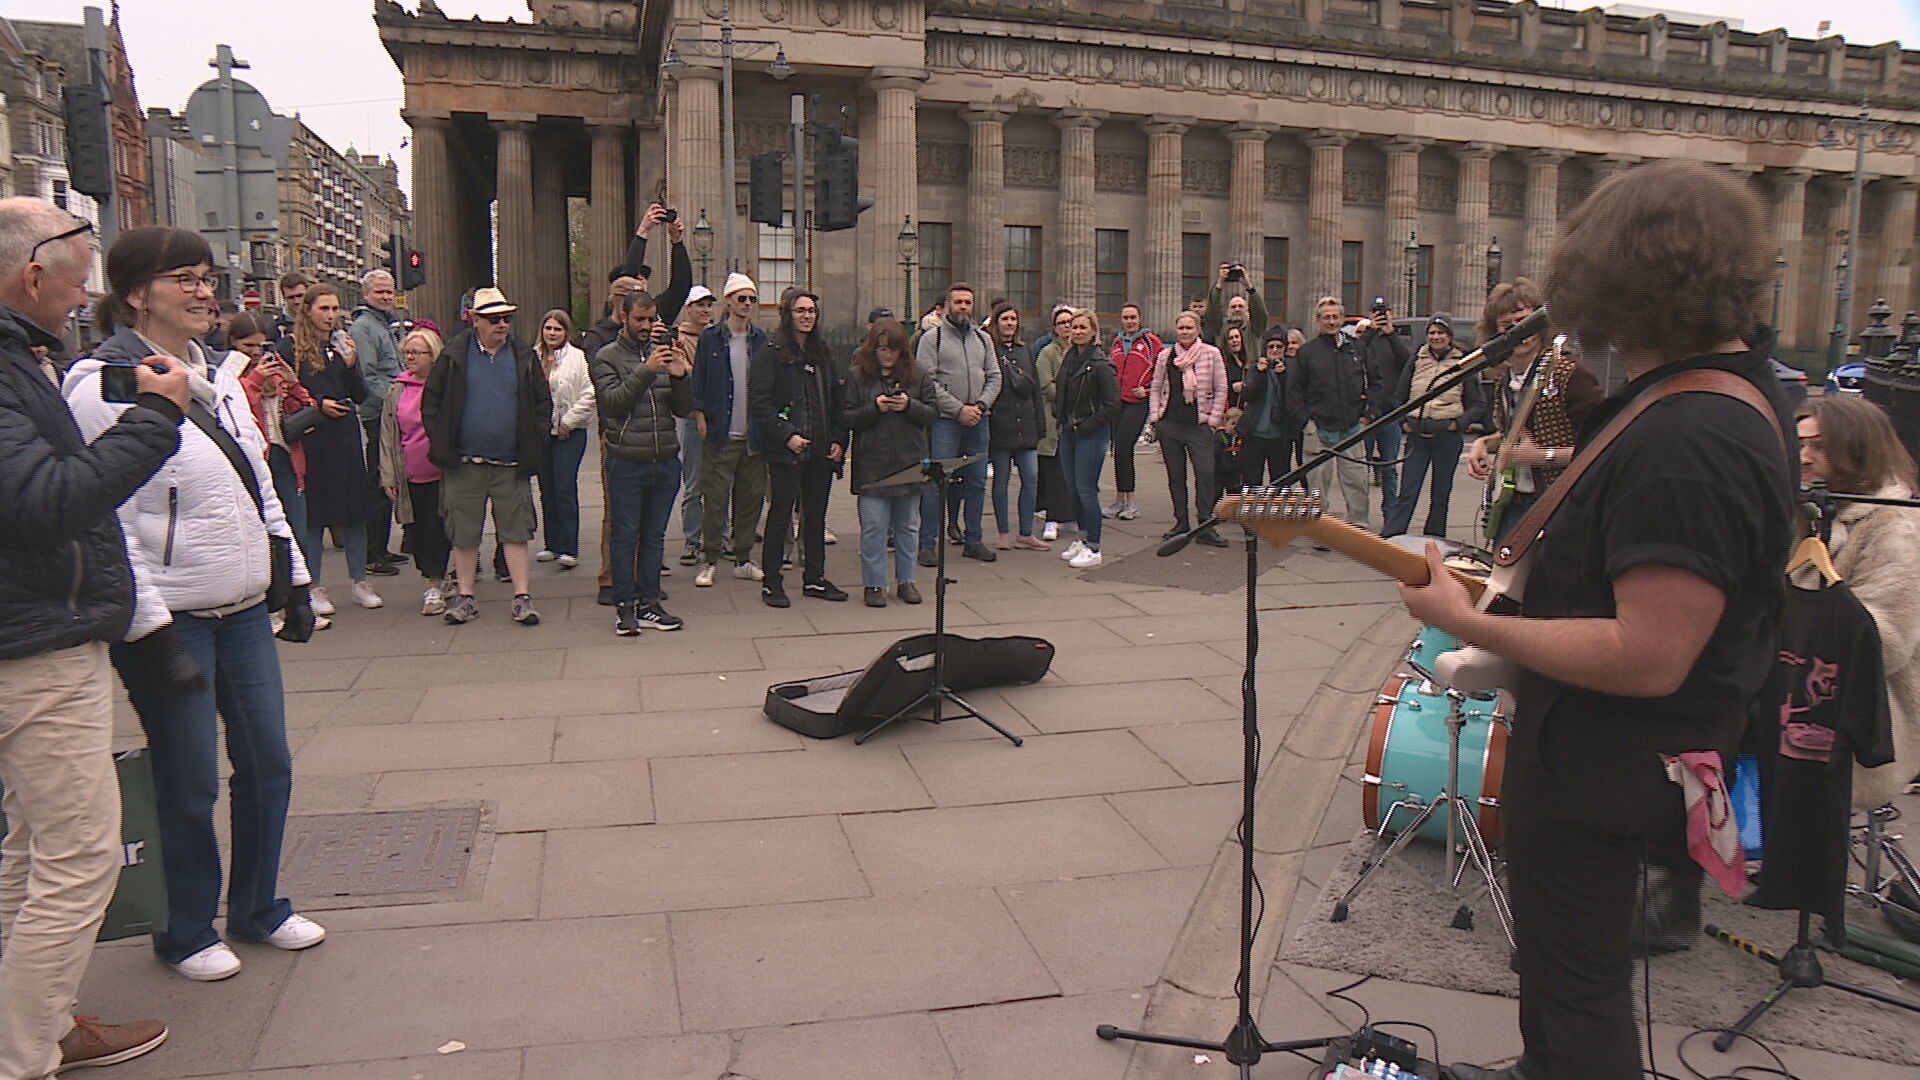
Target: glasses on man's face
[(189, 282), (494, 319), (79, 228), (744, 298)]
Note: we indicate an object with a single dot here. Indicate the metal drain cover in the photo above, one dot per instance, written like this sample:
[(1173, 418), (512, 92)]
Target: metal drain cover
[(379, 853)]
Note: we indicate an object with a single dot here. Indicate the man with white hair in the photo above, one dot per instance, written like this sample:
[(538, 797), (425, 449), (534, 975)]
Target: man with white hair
[(67, 587), (379, 359)]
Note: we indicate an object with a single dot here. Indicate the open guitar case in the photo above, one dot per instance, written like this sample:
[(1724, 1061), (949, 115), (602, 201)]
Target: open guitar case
[(832, 705)]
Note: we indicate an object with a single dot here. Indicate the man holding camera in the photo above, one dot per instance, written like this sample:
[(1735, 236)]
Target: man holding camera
[(1387, 354), (641, 383), (1244, 309)]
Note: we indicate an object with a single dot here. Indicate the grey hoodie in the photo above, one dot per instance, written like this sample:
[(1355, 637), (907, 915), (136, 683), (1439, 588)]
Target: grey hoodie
[(960, 359)]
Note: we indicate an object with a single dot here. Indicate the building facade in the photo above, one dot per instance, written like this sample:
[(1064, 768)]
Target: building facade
[(1097, 153), (65, 45)]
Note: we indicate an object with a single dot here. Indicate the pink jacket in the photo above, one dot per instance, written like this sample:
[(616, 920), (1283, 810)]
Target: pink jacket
[(1206, 382)]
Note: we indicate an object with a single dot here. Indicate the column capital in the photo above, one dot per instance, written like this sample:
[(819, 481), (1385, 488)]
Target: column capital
[(987, 112), (897, 78), (1542, 155), (1406, 144), (1791, 178), (608, 125), (1477, 151), (1899, 184), (1330, 137), (1251, 131), (1080, 118), (1166, 124), (513, 120), (690, 70), (419, 117)]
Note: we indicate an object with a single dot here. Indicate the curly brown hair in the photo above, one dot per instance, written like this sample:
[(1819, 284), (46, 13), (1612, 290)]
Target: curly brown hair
[(1505, 299), (1670, 258)]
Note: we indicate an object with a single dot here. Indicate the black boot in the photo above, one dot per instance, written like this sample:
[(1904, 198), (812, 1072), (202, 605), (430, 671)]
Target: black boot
[(1670, 920)]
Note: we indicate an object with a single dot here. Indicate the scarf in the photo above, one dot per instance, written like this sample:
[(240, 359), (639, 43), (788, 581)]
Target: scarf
[(1184, 359), (198, 381)]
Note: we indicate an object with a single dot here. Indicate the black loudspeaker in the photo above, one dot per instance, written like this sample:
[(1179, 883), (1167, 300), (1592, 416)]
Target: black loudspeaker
[(832, 705), (89, 143)]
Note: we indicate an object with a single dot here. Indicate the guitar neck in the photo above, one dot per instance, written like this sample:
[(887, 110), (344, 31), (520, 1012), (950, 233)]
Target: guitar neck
[(1363, 547)]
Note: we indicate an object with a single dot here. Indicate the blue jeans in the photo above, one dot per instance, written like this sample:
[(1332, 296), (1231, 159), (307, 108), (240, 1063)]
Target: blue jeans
[(951, 439), (183, 732), (1004, 463), (1082, 458), (292, 500), (1441, 453), (639, 503), (879, 515), (560, 493), (692, 500), (313, 546), (1384, 445)]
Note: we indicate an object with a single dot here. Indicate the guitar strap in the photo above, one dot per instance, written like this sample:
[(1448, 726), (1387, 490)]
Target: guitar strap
[(1711, 381)]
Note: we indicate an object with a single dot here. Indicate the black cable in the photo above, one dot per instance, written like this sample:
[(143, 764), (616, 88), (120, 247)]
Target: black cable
[(1339, 993), (1778, 1068)]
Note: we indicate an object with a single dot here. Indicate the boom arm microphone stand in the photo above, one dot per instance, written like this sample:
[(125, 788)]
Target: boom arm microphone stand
[(1244, 1045)]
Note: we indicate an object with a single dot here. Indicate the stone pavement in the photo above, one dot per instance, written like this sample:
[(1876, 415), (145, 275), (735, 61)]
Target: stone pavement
[(669, 886)]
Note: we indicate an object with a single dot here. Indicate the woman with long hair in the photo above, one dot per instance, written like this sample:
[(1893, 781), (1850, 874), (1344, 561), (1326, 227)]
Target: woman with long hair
[(1013, 434), (793, 412), (1085, 406), (1233, 353), (207, 525), (336, 488), (566, 368), (411, 480), (889, 406)]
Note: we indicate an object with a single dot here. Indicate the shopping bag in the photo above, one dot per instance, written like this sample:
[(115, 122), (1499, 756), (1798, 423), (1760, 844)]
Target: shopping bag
[(139, 904)]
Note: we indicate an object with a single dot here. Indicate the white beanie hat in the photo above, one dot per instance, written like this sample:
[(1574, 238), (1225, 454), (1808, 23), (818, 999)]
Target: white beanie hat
[(736, 282)]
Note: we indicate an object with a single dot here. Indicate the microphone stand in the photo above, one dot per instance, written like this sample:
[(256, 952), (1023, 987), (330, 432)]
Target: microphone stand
[(1495, 351)]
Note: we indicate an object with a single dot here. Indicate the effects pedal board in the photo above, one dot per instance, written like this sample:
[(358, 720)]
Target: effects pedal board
[(1370, 1054)]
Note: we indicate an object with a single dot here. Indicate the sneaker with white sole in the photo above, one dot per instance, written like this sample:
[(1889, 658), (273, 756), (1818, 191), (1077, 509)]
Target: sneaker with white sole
[(523, 612), (1074, 551), (461, 609), (1129, 512), (1051, 532), (1086, 560), (296, 933), (364, 596), (704, 579), (545, 556), (830, 538), (655, 617), (321, 604), (749, 571), (433, 602), (211, 964), (568, 562)]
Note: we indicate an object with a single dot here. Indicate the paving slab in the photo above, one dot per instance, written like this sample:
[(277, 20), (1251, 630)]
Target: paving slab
[(533, 697), (1206, 751), (657, 652), (1047, 766), (464, 1065), (530, 798), (928, 851), (534, 661), (392, 993), (879, 1048), (1049, 1037), (1185, 825), (1101, 933), (662, 868), (788, 783), (721, 690), (1057, 707), (670, 1057), (691, 733), (1037, 608), (214, 1028), (456, 744), (502, 886), (1140, 663), (344, 708)]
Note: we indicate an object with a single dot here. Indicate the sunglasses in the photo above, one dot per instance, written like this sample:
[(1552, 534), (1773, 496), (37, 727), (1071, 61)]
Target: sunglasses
[(744, 298), (494, 318), (79, 228)]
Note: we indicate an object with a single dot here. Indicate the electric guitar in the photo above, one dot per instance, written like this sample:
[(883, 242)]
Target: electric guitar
[(1504, 484)]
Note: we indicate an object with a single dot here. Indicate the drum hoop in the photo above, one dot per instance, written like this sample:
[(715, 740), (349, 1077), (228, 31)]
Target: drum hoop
[(1383, 711)]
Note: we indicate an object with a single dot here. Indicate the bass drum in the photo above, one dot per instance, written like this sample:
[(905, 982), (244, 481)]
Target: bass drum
[(1407, 758)]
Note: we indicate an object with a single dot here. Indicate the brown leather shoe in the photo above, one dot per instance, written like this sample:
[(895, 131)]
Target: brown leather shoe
[(94, 1043)]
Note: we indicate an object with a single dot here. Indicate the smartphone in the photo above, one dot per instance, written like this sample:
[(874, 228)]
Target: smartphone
[(662, 335), (120, 383)]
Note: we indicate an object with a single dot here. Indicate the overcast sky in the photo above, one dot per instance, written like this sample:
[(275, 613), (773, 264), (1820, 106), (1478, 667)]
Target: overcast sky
[(332, 70)]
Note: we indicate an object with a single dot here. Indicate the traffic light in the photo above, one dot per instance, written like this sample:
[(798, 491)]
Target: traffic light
[(414, 274), (766, 201), (89, 145), (837, 203), (390, 256)]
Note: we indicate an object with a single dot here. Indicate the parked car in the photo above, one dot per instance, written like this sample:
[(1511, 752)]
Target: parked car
[(1848, 378)]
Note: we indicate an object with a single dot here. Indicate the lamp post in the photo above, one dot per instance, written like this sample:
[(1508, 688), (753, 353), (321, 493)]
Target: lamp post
[(1843, 287), (1779, 280), (1863, 127), (1413, 270), (1493, 264), (909, 243), (703, 244), (728, 48)]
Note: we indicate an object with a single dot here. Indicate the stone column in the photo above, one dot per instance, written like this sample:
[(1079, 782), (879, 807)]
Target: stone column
[(433, 218), (1403, 206), (1789, 225), (1543, 210), (607, 227), (513, 218), (1166, 136), (1326, 205), (1470, 263), (693, 173), (896, 168), (550, 285), (1896, 245), (986, 197), (1073, 244), (1247, 199)]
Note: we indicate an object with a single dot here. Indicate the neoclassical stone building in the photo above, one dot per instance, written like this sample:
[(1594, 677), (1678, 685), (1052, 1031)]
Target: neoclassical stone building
[(1101, 150)]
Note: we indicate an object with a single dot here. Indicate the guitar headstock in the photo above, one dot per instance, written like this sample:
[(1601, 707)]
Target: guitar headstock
[(1270, 504)]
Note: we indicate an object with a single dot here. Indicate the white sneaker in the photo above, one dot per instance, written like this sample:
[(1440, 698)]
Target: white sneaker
[(432, 602), (1086, 560), (545, 556), (704, 579), (298, 932), (1050, 533), (830, 538), (211, 964), (364, 596), (749, 571), (568, 562), (321, 605), (1074, 551)]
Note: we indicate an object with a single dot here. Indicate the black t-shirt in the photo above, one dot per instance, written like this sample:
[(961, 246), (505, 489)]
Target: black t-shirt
[(1701, 482), (1827, 708), (1179, 409)]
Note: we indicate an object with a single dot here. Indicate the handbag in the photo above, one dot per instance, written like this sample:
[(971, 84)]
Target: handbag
[(301, 424), (279, 548), (139, 904)]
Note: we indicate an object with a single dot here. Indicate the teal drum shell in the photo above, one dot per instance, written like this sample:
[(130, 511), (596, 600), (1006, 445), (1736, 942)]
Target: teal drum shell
[(1407, 756)]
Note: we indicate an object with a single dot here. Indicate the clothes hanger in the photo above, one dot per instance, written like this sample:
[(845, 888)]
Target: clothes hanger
[(1813, 552)]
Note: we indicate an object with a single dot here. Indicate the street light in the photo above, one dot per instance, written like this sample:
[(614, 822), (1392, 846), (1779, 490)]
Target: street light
[(909, 243), (703, 243), (1779, 280), (1413, 269), (728, 48), (1864, 127), (1493, 264)]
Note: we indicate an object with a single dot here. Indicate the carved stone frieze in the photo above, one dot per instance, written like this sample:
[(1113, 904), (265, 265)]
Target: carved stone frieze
[(1119, 172), (1364, 187), (1438, 191), (761, 136), (1507, 197), (1206, 176), (1286, 180), (1033, 166), (944, 162)]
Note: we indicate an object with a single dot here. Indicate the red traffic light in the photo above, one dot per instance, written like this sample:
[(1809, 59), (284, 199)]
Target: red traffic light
[(413, 260)]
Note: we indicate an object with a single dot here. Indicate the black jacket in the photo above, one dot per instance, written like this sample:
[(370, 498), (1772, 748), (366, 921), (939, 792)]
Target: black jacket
[(886, 442), (1268, 391), (1018, 413), (1389, 355), (444, 402), (64, 574), (1089, 395), (1332, 382), (788, 396), (638, 406), (599, 336)]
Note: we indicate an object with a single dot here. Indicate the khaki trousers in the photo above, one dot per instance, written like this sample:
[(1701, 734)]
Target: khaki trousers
[(61, 856)]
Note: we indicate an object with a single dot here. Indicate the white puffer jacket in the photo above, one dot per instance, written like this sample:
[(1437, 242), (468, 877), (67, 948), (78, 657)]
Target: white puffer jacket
[(199, 537), (573, 400)]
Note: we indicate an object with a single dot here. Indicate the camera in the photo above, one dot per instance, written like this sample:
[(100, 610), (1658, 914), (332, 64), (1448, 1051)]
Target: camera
[(120, 383), (672, 216), (1236, 272)]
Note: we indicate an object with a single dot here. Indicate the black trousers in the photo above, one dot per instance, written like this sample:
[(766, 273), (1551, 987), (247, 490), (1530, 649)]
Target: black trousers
[(1056, 498), (804, 484), (1263, 461), (1126, 436), (1179, 441), (1581, 810), (379, 507), (431, 547)]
